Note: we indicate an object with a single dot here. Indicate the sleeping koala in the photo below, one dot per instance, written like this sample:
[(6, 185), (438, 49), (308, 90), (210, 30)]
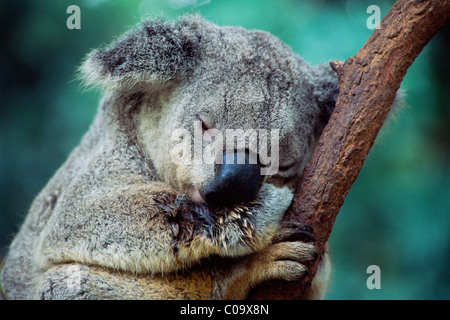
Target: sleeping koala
[(137, 211)]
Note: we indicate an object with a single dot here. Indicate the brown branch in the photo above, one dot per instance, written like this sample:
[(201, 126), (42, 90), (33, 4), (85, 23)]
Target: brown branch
[(368, 84)]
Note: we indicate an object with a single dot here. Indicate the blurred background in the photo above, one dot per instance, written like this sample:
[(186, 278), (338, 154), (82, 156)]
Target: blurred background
[(397, 214)]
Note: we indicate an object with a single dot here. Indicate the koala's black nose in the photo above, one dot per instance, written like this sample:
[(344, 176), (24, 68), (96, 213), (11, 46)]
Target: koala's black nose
[(237, 180)]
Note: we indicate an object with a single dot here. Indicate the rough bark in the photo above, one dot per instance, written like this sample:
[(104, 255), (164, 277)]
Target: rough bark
[(368, 84)]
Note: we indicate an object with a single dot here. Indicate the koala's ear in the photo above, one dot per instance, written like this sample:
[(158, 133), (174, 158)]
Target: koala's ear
[(325, 92), (152, 54)]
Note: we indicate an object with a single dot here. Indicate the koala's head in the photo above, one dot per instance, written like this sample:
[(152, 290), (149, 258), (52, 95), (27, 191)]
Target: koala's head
[(200, 88)]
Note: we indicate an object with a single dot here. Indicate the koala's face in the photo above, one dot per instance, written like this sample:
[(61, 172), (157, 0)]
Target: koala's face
[(225, 110)]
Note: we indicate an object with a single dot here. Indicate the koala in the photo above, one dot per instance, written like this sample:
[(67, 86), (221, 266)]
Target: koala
[(131, 214)]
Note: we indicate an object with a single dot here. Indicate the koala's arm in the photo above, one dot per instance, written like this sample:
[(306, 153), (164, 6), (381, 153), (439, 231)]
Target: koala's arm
[(219, 278), (145, 227)]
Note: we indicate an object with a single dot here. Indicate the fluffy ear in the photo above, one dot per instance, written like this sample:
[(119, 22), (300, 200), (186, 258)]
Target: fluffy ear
[(153, 53), (325, 92)]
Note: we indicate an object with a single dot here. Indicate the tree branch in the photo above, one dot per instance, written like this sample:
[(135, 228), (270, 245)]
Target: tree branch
[(368, 84)]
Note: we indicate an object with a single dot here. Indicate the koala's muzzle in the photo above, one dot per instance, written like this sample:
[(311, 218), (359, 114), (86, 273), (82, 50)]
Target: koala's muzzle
[(237, 180)]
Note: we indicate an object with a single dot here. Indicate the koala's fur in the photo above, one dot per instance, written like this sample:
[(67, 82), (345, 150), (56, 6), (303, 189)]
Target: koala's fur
[(121, 220)]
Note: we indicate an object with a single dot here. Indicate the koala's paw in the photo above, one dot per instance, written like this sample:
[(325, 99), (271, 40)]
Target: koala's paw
[(284, 259)]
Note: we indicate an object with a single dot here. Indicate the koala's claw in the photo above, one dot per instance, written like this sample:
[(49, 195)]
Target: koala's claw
[(294, 231), (299, 235)]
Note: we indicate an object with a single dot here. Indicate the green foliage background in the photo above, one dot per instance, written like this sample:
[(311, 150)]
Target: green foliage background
[(396, 215)]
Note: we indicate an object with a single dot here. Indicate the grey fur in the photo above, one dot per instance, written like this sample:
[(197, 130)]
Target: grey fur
[(116, 220)]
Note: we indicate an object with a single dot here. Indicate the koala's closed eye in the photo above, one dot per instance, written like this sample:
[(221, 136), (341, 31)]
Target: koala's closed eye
[(286, 174), (285, 168), (206, 122)]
